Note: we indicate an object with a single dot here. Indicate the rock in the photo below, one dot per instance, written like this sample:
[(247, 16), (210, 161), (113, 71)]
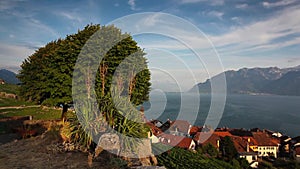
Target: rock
[(109, 142)]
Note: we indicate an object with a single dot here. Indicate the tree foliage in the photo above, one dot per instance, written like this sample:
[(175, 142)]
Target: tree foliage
[(228, 149), (47, 74)]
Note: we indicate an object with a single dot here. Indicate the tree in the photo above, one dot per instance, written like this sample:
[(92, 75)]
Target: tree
[(228, 149), (210, 150), (47, 74)]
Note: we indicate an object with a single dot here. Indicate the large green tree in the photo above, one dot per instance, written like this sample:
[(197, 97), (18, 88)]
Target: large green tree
[(47, 74)]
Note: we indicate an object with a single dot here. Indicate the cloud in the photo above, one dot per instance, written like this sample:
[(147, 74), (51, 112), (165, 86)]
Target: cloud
[(217, 2), (236, 19), (211, 2), (241, 6), (277, 4), (9, 4), (191, 1), (73, 16), (131, 3), (262, 35), (216, 14), (13, 55)]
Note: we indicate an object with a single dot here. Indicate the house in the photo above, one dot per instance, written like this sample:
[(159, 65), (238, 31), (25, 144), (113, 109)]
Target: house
[(193, 130), (244, 151), (2, 81), (205, 138), (180, 128), (264, 145), (295, 147), (177, 141), (223, 133), (154, 131), (296, 153), (157, 123)]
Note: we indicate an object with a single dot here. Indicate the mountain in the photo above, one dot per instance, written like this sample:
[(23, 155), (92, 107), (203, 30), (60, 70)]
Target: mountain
[(270, 80), (288, 84), (8, 76)]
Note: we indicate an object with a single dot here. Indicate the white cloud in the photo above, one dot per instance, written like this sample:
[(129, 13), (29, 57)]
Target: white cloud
[(241, 6), (73, 16), (13, 55), (261, 35), (9, 4), (191, 1), (217, 2), (211, 2), (131, 3), (216, 14), (277, 4)]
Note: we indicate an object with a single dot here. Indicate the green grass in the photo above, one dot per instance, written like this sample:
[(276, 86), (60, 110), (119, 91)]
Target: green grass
[(36, 112), (4, 102), (9, 88)]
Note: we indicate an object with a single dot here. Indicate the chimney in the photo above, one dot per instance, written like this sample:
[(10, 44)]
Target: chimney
[(247, 147)]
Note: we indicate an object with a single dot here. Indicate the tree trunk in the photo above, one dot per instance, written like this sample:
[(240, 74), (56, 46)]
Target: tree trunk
[(64, 112), (103, 71)]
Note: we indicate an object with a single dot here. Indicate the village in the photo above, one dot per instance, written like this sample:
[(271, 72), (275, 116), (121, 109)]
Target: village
[(254, 145)]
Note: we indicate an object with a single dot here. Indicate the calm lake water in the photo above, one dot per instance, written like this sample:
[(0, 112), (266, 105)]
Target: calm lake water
[(277, 113)]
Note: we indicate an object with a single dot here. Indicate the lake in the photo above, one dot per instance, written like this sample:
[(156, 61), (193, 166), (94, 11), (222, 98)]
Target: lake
[(277, 113)]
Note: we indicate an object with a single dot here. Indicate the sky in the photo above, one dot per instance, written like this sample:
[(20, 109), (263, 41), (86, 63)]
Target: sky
[(200, 38)]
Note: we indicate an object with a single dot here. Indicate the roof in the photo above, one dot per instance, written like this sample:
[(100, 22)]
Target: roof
[(250, 140), (297, 150), (207, 137), (223, 133), (172, 140), (241, 132), (240, 145), (194, 130), (263, 139), (181, 125), (155, 130)]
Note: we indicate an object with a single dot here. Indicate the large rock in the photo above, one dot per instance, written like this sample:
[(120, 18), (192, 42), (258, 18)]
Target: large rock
[(109, 142)]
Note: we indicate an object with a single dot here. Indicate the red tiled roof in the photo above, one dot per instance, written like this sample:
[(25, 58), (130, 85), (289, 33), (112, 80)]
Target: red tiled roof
[(194, 130), (202, 136), (155, 130), (172, 140), (223, 133), (240, 144), (181, 125), (263, 139), (250, 140)]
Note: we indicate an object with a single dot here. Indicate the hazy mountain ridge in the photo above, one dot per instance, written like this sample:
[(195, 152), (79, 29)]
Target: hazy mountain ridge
[(9, 76), (272, 80)]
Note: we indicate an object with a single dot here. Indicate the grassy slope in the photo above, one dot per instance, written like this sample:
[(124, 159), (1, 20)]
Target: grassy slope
[(36, 112), (5, 102), (9, 88)]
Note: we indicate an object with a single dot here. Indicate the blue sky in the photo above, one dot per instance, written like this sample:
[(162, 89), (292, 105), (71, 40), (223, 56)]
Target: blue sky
[(245, 33)]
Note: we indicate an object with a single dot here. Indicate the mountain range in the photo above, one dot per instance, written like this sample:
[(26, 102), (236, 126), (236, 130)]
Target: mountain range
[(272, 80), (9, 76)]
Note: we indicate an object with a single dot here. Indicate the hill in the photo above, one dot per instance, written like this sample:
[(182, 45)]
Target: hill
[(9, 77), (270, 80)]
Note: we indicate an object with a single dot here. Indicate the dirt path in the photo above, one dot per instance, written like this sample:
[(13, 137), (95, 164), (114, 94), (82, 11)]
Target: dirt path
[(40, 152)]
